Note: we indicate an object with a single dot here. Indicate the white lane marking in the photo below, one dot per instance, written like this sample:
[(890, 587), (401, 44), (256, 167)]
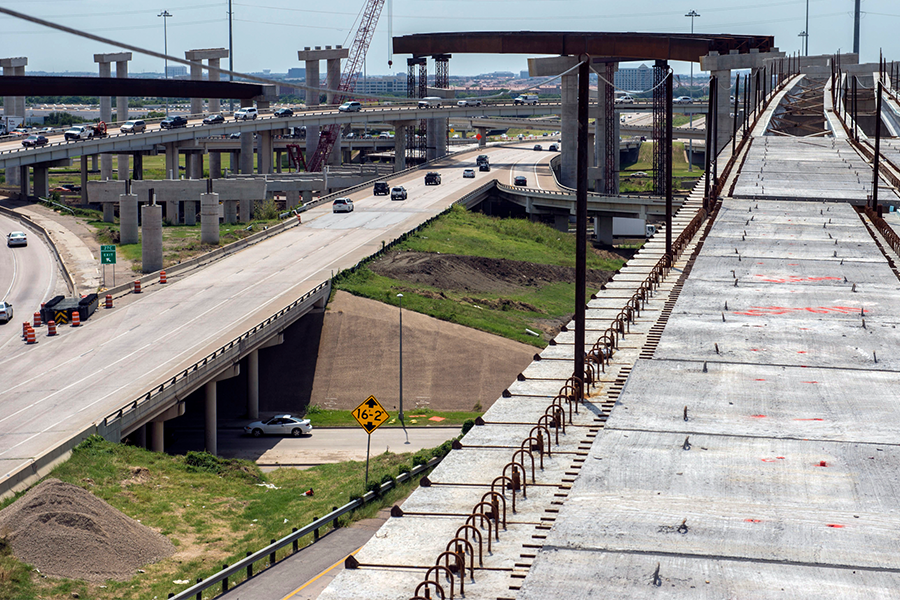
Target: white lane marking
[(14, 274)]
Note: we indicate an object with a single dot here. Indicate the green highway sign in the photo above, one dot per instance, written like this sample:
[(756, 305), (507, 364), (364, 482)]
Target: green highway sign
[(108, 255)]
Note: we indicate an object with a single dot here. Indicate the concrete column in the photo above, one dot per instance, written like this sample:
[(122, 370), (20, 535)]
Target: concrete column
[(482, 141), (138, 169), (569, 130), (109, 212), (151, 237), (210, 420), (264, 152), (140, 436), (196, 75), (307, 196), (399, 146), (24, 182), (196, 171), (105, 116), (332, 77), (215, 165), (84, 178), (723, 109), (41, 181), (157, 436), (20, 100), (122, 114), (209, 219), (253, 385), (441, 127), (230, 211), (278, 159), (235, 162), (431, 135), (128, 219), (247, 153), (292, 199), (335, 157), (601, 126), (312, 141), (188, 165), (190, 213), (246, 210), (13, 106), (171, 161), (214, 103), (312, 81), (95, 162), (172, 212), (603, 230)]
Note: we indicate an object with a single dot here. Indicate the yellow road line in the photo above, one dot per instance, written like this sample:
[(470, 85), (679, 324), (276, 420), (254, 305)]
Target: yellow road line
[(338, 563)]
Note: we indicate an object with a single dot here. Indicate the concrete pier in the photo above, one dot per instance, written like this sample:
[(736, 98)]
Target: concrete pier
[(151, 238), (128, 218), (209, 218), (13, 106), (212, 56)]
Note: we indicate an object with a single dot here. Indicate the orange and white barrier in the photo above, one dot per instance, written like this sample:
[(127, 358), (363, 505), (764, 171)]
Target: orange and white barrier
[(25, 327), (76, 318), (162, 277), (51, 328), (37, 319), (109, 303), (137, 286), (30, 338)]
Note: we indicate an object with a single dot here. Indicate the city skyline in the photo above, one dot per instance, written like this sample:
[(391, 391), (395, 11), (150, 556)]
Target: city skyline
[(287, 28)]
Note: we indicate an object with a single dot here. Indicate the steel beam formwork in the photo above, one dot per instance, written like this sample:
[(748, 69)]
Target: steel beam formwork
[(422, 140), (660, 172), (611, 141), (442, 81), (415, 136)]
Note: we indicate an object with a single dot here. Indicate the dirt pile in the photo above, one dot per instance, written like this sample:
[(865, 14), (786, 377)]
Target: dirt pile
[(66, 531), (476, 273)]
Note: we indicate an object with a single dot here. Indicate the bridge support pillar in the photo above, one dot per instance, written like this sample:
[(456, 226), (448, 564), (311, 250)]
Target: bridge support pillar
[(209, 218), (190, 213), (215, 165), (105, 67), (278, 158), (41, 181), (128, 218), (307, 196), (230, 210), (253, 385), (561, 222), (24, 181), (140, 436), (210, 422), (482, 141), (569, 129), (13, 106), (157, 436), (137, 172), (151, 238), (264, 151), (109, 213), (84, 178), (292, 199), (246, 154), (171, 161), (603, 230), (172, 211), (196, 57), (246, 210)]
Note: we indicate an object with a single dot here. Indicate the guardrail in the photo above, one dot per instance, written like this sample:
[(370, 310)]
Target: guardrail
[(70, 281)]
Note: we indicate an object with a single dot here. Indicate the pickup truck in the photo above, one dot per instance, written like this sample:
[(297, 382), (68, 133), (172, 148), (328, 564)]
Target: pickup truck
[(79, 132), (173, 122)]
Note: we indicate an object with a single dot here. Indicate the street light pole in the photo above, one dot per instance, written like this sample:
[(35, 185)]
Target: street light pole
[(806, 31), (230, 55), (692, 14), (165, 15), (402, 424)]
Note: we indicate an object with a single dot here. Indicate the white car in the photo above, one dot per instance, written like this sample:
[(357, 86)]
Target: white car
[(469, 173), (279, 425), (342, 205), (350, 107), (16, 238), (6, 312), (469, 102), (398, 193), (246, 114), (683, 100)]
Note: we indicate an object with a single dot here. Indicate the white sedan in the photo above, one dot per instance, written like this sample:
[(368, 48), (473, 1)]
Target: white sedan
[(342, 205), (469, 173), (279, 425), (16, 238)]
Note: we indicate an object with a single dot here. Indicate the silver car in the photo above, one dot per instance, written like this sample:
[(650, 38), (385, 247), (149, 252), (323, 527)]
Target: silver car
[(342, 205), (16, 238), (6, 311), (279, 425)]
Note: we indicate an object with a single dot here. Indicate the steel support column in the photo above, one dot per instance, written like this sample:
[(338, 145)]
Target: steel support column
[(660, 70), (611, 143), (581, 220)]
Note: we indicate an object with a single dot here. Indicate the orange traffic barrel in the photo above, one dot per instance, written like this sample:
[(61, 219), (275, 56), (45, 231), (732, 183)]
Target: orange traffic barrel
[(51, 328), (30, 337), (25, 327), (109, 301), (137, 286), (37, 319), (162, 277), (76, 318)]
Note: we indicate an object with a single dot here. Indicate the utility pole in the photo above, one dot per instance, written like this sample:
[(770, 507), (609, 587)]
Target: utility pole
[(692, 14), (806, 31), (165, 17)]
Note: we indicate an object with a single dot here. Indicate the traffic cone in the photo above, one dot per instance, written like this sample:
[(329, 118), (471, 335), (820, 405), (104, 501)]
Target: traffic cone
[(299, 220), (109, 303), (162, 277), (76, 318), (51, 328), (137, 286), (25, 326), (37, 319), (30, 337)]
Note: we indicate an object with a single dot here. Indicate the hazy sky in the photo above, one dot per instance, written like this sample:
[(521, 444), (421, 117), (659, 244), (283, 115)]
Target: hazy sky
[(268, 34)]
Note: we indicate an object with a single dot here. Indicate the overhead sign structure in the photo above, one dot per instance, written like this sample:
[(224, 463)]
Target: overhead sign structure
[(370, 414), (108, 255)]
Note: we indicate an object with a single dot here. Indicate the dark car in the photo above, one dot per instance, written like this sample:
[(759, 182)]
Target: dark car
[(381, 188), (484, 167), (284, 112), (482, 159), (432, 178), (520, 180), (33, 141), (173, 122), (213, 119)]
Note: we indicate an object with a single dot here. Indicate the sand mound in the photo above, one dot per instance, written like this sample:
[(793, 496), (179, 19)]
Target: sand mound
[(68, 532)]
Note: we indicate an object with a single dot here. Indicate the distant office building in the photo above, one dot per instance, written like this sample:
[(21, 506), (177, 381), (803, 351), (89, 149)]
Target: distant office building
[(381, 85), (176, 71), (296, 73), (634, 80)]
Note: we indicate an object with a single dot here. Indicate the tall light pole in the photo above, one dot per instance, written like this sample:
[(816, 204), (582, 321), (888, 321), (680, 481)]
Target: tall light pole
[(806, 31), (165, 15), (230, 55), (402, 424), (804, 44), (692, 14)]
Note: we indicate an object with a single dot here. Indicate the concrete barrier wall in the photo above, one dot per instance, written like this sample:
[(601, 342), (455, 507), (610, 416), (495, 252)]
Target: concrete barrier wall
[(67, 275)]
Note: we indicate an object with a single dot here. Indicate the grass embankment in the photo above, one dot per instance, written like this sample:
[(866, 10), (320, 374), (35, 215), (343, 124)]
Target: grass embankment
[(213, 510), (416, 417), (472, 234), (644, 163)]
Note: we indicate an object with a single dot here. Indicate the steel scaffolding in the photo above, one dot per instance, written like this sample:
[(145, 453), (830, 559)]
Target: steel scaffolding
[(660, 174)]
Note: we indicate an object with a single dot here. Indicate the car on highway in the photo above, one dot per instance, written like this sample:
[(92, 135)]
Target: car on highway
[(639, 174), (520, 180), (626, 99), (33, 141), (79, 132), (553, 148), (682, 100), (432, 178), (213, 119), (16, 238), (6, 311), (352, 106), (469, 173), (47, 130), (248, 113), (538, 147), (526, 99), (484, 167), (398, 193), (284, 112), (136, 126), (234, 136), (279, 425), (381, 188), (173, 122), (342, 205), (482, 159), (469, 102)]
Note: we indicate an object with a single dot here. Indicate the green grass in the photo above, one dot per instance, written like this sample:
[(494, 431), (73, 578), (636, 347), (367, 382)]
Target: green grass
[(472, 234), (212, 509), (418, 417), (645, 163)]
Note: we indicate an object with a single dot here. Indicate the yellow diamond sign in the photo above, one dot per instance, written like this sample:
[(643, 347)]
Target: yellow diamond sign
[(370, 414)]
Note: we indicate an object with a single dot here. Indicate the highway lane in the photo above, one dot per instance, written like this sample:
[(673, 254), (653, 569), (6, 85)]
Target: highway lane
[(54, 389), (28, 276)]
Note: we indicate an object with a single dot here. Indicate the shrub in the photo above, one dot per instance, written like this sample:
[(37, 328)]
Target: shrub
[(388, 477), (375, 487), (469, 424), (266, 210)]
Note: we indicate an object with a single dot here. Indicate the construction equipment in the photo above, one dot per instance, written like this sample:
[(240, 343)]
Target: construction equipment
[(352, 68), (295, 157)]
